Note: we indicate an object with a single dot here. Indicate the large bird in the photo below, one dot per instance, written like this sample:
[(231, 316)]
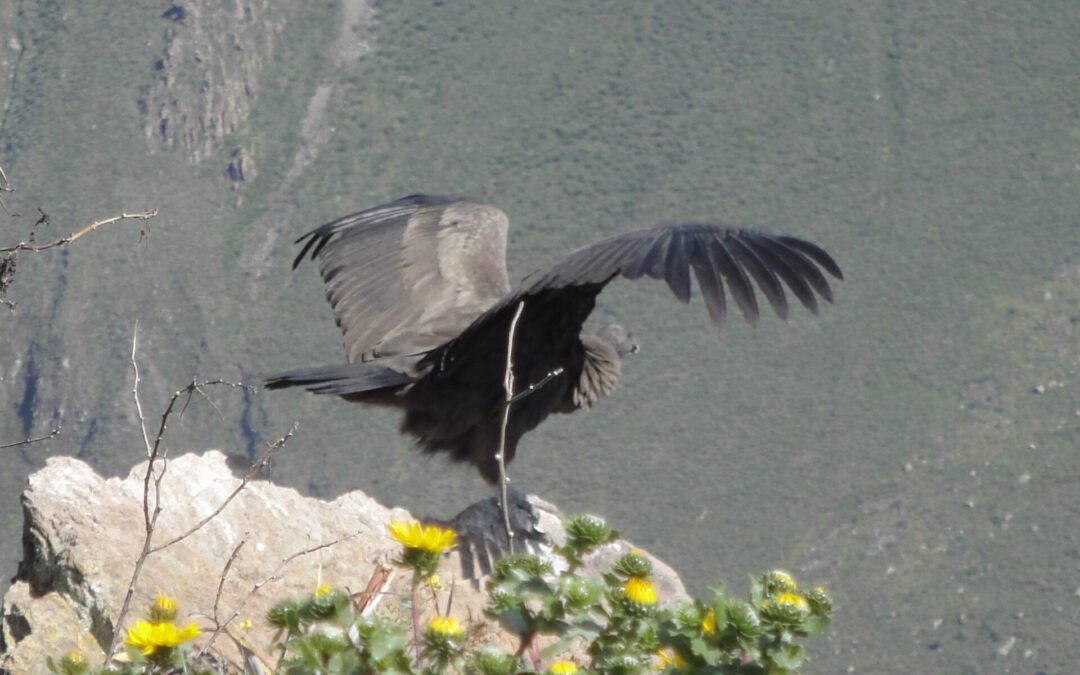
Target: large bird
[(419, 288)]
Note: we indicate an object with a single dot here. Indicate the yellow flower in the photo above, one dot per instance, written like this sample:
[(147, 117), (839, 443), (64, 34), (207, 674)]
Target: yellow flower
[(435, 582), (323, 591), (247, 624), (794, 599), (149, 637), (74, 662), (820, 602), (708, 623), (165, 603), (781, 580), (562, 668), (431, 538), (669, 658), (640, 591), (163, 609), (445, 625)]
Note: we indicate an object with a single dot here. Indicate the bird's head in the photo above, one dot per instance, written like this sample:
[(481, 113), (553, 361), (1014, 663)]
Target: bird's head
[(621, 339)]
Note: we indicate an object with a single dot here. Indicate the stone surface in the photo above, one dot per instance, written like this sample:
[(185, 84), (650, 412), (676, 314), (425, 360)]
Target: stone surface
[(83, 534)]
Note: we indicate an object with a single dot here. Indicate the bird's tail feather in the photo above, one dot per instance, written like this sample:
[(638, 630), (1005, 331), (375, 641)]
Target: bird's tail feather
[(340, 380)]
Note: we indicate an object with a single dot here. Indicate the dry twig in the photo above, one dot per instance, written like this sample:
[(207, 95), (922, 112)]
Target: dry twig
[(9, 261), (500, 456), (35, 439), (155, 472), (5, 186), (252, 472), (27, 246), (510, 399), (274, 575)]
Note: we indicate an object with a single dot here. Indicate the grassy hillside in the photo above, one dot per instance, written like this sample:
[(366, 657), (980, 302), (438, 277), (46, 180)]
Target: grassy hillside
[(892, 448)]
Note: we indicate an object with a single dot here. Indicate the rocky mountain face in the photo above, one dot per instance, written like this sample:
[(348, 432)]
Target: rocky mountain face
[(83, 534), (201, 94)]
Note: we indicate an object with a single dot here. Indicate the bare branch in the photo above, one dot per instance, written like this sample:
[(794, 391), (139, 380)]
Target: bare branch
[(257, 586), (148, 520), (24, 246), (225, 574), (135, 387), (154, 476), (500, 456), (5, 186), (28, 439), (533, 387), (9, 261), (252, 472)]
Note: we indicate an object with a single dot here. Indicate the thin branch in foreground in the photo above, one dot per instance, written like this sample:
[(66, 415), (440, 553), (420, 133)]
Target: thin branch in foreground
[(252, 472), (274, 575), (225, 575), (26, 246), (9, 262), (29, 440), (135, 388), (149, 520), (154, 477), (5, 186), (500, 456)]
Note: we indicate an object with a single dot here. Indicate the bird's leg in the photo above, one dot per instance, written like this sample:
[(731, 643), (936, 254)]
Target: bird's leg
[(500, 456)]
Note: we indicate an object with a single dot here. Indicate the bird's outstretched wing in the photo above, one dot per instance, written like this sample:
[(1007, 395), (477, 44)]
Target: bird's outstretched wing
[(724, 261), (407, 276), (717, 256)]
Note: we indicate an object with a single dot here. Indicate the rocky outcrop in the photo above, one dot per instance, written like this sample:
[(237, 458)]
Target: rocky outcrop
[(208, 73), (210, 69), (83, 533)]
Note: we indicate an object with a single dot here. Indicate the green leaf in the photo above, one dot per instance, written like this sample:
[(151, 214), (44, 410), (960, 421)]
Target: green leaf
[(789, 656), (814, 625), (707, 651), (517, 621), (386, 642), (633, 565)]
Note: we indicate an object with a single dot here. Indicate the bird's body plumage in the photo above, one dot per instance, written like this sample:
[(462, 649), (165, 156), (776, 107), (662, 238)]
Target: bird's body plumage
[(419, 288)]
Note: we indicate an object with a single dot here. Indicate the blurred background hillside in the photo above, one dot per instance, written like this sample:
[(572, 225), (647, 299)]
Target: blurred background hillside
[(913, 448)]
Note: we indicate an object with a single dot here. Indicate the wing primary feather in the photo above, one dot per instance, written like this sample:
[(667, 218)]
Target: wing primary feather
[(712, 288), (648, 261), (632, 261), (764, 276), (613, 257), (303, 252), (657, 256), (803, 268), (741, 289), (677, 267), (818, 254), (776, 256)]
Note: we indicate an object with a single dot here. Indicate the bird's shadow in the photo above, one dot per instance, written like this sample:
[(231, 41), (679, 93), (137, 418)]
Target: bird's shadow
[(482, 536)]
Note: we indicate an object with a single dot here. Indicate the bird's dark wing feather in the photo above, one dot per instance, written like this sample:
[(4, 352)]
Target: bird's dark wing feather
[(341, 379), (563, 293), (718, 256), (407, 276)]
